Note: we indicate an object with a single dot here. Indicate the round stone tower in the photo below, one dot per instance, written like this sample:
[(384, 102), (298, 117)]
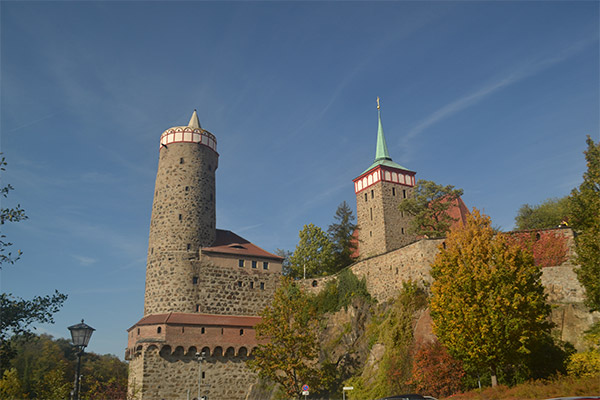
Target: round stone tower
[(183, 216)]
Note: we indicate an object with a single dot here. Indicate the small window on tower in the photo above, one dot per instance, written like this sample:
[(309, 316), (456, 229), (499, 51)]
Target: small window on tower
[(181, 160), (371, 233), (265, 265), (371, 211), (241, 263), (241, 332), (404, 193), (402, 229), (251, 285), (239, 284), (189, 247), (197, 307), (253, 264), (187, 188), (366, 198), (393, 191), (202, 330), (180, 217), (195, 280), (262, 286), (158, 330), (203, 374), (372, 194)]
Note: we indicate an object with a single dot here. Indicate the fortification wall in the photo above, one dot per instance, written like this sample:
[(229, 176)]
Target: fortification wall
[(229, 291), (174, 374)]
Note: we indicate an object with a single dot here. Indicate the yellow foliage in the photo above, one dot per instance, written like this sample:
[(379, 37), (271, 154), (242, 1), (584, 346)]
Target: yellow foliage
[(584, 364)]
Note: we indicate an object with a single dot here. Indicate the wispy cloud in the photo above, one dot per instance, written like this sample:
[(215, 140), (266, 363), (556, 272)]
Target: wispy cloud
[(519, 73), (83, 260)]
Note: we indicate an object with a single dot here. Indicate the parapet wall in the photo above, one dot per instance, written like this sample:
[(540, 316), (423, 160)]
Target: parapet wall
[(175, 374)]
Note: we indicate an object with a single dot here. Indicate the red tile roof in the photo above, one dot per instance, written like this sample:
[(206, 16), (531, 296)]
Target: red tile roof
[(199, 319), (228, 242)]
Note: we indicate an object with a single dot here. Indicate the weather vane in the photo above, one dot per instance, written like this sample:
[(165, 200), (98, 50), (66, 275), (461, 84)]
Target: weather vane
[(378, 102)]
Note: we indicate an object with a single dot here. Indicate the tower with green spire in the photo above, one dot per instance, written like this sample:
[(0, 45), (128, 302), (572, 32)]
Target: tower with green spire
[(379, 190)]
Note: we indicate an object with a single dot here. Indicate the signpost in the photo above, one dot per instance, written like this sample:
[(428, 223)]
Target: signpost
[(305, 390), (344, 390)]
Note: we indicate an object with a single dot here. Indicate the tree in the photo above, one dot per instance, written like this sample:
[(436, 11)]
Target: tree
[(17, 315), (434, 371), (550, 214), (341, 237), (313, 252), (488, 304), (290, 355), (286, 267), (429, 207), (584, 217)]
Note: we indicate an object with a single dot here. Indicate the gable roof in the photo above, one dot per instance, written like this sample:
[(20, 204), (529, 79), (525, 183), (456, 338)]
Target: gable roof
[(227, 242)]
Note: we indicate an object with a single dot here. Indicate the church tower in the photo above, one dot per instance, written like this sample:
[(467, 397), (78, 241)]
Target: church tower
[(183, 216), (382, 227)]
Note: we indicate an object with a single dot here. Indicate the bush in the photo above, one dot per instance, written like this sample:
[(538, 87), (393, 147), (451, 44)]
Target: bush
[(584, 364), (340, 292)]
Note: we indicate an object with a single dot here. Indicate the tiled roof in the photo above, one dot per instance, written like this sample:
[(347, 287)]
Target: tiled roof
[(458, 211), (227, 242), (198, 319)]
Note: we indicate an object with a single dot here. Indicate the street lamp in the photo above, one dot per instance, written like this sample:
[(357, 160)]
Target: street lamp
[(80, 334), (200, 357)]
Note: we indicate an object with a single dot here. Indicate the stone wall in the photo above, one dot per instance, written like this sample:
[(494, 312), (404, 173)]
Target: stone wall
[(384, 275), (174, 374), (381, 226), (183, 220)]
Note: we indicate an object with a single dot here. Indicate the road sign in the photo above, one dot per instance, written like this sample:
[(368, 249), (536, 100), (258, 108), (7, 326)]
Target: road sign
[(305, 388), (348, 387)]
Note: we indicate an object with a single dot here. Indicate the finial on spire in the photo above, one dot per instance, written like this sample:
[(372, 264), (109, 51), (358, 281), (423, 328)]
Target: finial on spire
[(194, 121), (378, 102)]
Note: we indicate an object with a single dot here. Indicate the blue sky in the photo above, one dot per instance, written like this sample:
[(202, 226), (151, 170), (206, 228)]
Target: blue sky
[(495, 98)]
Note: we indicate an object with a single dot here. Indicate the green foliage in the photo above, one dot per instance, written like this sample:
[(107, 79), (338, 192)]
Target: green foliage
[(584, 217), (340, 234), (339, 292), (290, 353), (313, 252), (586, 363), (488, 304), (10, 385), (44, 369), (15, 214), (394, 330), (428, 206), (550, 214), (286, 267)]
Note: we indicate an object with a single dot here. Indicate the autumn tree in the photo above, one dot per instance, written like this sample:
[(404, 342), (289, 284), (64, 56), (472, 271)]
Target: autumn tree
[(436, 372), (289, 355), (550, 214), (429, 207), (341, 237), (313, 254), (585, 219), (488, 304), (18, 315)]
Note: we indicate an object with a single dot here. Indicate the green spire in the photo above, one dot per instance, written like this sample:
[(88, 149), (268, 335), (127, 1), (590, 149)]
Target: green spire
[(382, 151), (382, 156)]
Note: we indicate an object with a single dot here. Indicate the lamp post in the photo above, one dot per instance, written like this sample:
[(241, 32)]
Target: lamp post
[(80, 334), (200, 357)]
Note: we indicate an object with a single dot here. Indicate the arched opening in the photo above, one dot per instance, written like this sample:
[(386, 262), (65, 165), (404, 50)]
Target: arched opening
[(158, 330), (314, 283), (243, 352), (165, 351), (218, 351), (206, 351), (230, 352)]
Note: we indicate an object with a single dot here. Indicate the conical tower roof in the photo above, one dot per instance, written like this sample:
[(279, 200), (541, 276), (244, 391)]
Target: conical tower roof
[(194, 121), (382, 155)]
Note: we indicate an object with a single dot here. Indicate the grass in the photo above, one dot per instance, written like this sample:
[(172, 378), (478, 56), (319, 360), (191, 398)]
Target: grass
[(536, 390)]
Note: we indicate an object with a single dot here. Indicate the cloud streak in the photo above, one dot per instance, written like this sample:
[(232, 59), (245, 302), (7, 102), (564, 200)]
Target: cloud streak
[(517, 74)]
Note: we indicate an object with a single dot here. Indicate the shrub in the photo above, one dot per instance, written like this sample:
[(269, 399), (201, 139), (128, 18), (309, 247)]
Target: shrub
[(584, 364)]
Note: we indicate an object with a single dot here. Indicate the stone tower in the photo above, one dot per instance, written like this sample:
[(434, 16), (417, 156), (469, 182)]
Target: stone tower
[(379, 190), (183, 216), (205, 287)]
